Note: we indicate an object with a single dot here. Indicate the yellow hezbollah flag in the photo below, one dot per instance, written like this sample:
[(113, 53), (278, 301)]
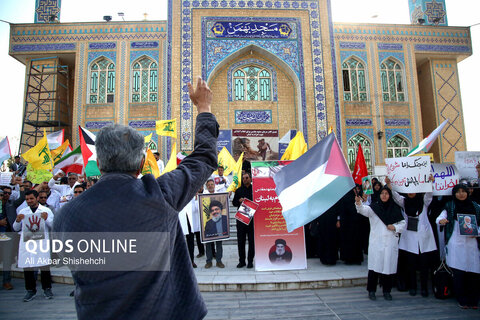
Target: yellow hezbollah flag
[(237, 175), (39, 156), (296, 148), (150, 165), (148, 138), (38, 176), (166, 128), (57, 153), (172, 162), (330, 130), (225, 160)]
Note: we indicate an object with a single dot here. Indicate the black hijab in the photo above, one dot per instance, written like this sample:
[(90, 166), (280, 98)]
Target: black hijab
[(376, 194), (414, 206), (465, 206), (389, 212)]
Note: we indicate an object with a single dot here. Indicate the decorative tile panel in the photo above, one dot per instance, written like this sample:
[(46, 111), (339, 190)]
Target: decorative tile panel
[(442, 48), (352, 45), (397, 122), (390, 46), (344, 55), (101, 45), (390, 133), (358, 122), (96, 54), (97, 124), (43, 47), (366, 132), (253, 116), (44, 9), (383, 55), (144, 44), (142, 124)]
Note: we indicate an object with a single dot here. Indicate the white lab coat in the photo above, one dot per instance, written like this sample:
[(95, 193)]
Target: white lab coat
[(383, 243), (190, 211), (25, 258), (462, 251), (422, 239)]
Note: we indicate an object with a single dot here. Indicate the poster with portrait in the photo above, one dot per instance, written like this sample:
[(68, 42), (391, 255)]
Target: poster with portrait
[(467, 224), (466, 161), (367, 186), (275, 247), (33, 227), (255, 144), (214, 217)]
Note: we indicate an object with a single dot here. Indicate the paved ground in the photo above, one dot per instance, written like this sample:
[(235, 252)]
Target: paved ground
[(339, 303)]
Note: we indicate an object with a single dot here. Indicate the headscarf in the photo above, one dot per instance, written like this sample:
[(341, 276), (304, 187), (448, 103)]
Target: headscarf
[(376, 194), (465, 206), (414, 206), (389, 212)]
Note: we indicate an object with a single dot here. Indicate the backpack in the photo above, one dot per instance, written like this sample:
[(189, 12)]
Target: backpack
[(442, 282)]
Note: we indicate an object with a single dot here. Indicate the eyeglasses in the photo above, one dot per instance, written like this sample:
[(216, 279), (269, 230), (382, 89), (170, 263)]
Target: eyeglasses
[(4, 192), (77, 191)]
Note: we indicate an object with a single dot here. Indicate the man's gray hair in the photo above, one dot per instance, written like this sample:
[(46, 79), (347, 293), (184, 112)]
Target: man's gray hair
[(119, 149)]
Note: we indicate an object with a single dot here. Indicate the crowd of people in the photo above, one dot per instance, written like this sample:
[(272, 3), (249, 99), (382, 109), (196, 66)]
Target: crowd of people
[(398, 232)]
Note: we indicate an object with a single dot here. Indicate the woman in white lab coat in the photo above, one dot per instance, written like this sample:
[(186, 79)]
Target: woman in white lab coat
[(463, 254), (386, 222), (417, 243)]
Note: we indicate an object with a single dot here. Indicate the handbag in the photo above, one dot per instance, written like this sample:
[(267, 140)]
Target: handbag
[(412, 223), (442, 281)]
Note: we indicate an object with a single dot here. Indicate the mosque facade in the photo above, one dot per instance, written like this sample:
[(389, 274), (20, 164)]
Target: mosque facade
[(274, 67)]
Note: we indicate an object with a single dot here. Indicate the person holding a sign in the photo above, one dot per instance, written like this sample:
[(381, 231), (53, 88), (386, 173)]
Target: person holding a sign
[(386, 222), (244, 192), (463, 254), (417, 242), (32, 228)]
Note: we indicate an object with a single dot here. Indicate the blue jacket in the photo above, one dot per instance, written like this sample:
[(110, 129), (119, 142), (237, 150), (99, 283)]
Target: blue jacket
[(120, 203)]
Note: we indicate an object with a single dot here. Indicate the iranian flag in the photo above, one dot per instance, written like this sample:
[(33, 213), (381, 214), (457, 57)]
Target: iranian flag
[(87, 144), (72, 162)]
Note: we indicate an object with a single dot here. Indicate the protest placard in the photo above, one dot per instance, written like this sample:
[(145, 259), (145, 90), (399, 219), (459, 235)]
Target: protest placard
[(275, 247), (246, 211), (5, 178), (409, 174), (445, 178), (465, 161)]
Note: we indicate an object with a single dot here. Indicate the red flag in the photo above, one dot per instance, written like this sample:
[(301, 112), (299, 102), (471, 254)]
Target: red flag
[(360, 169)]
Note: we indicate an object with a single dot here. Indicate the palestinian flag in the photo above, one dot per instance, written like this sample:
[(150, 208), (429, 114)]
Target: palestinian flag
[(87, 144), (313, 183), (72, 162)]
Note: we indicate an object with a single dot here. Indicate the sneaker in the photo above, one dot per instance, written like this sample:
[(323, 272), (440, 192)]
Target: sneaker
[(29, 296), (220, 264), (48, 293), (208, 265), (250, 265), (241, 265), (371, 296), (387, 296), (7, 286)]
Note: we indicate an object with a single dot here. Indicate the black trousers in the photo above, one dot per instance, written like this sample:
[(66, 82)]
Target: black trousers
[(373, 280), (201, 247), (31, 284), (466, 287), (244, 231), (421, 262)]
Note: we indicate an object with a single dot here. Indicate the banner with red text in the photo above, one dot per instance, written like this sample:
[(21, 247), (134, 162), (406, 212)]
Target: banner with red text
[(275, 247), (409, 174)]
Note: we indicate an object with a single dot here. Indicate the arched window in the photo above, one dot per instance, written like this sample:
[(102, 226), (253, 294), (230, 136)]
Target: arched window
[(391, 73), (102, 81), (144, 80), (252, 83), (354, 84), (397, 146), (352, 149)]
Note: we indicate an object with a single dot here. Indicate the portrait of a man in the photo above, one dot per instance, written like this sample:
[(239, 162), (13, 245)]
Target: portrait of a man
[(468, 225), (215, 217), (280, 253)]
